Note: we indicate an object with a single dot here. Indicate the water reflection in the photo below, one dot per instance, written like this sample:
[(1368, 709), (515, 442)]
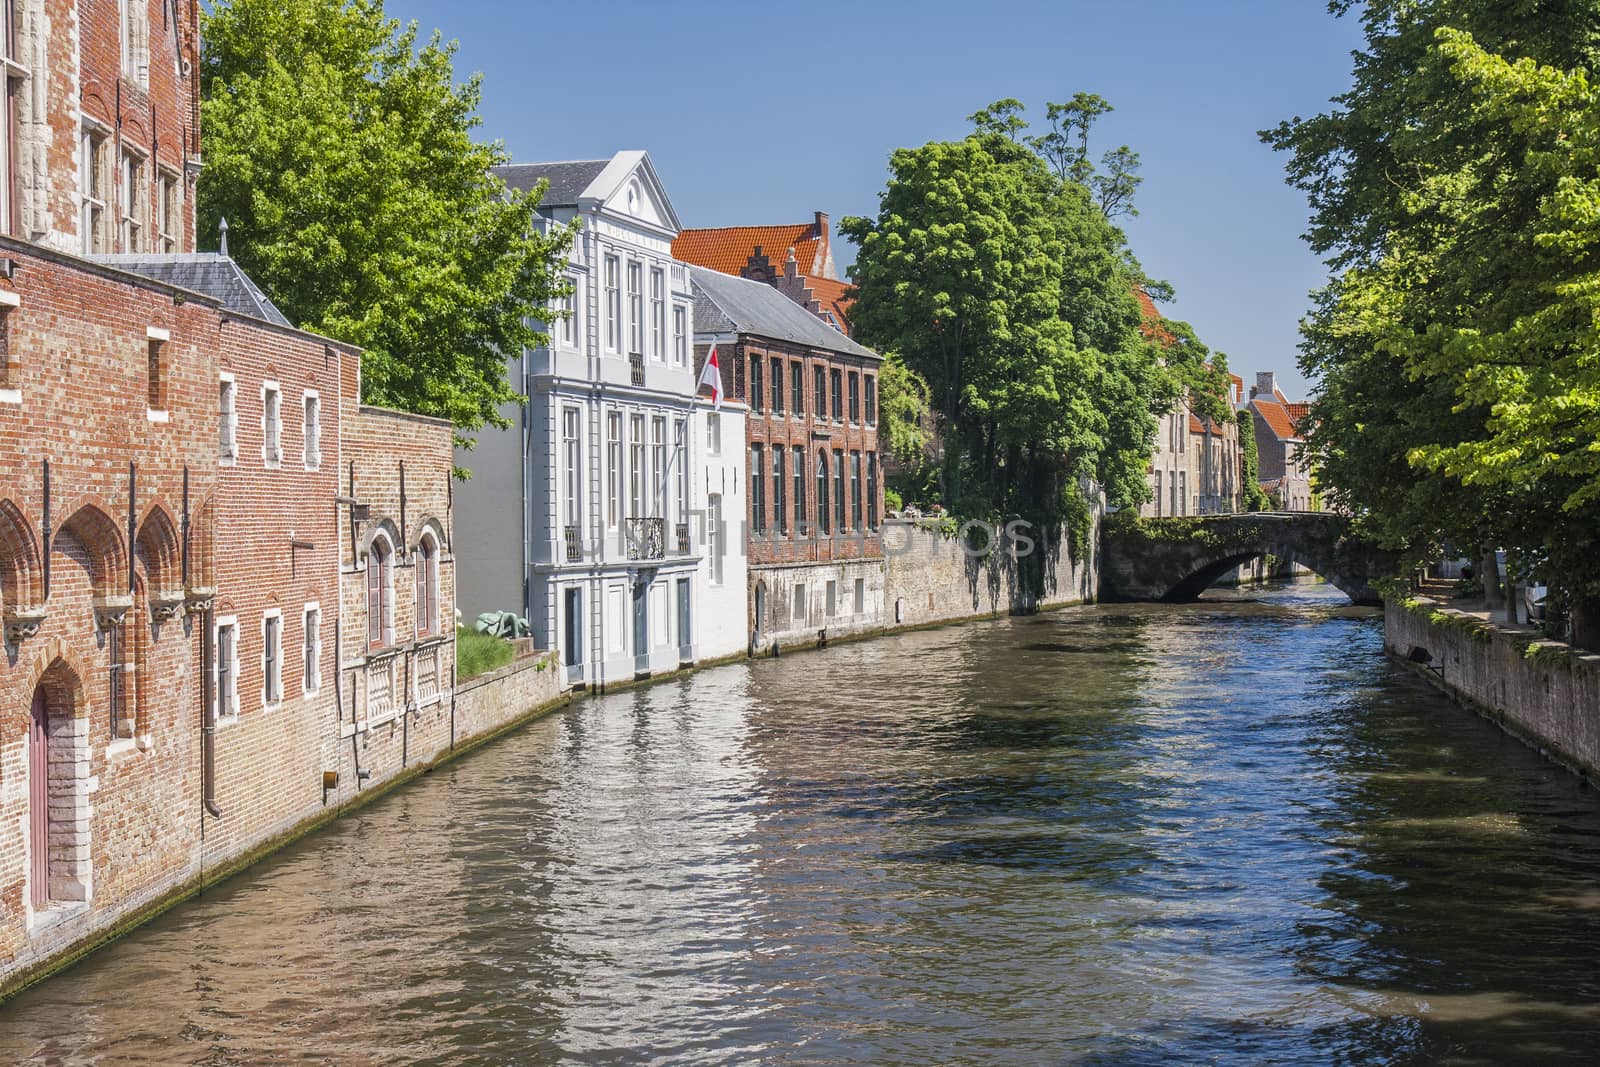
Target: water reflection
[(1224, 832)]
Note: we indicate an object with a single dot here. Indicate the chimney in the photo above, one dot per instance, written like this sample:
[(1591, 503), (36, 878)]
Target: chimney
[(1266, 385), (823, 267), (791, 266)]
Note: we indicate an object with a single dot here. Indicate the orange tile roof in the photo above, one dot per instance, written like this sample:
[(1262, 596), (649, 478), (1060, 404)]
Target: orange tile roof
[(1276, 416), (833, 296), (1152, 328), (728, 248), (1298, 413)]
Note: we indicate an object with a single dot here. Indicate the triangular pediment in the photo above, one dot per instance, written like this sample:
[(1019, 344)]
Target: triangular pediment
[(629, 187)]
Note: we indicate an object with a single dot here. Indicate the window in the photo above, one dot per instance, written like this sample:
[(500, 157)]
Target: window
[(680, 335), (1183, 492), (855, 397), (271, 425), (167, 216), (117, 681), (380, 592), (822, 490), (92, 168), (680, 435), (567, 308), (758, 496), (738, 376), (872, 400), (756, 385), (155, 379), (797, 385), (838, 396), (658, 314), (799, 603), (872, 490), (272, 658), (571, 491), (855, 490), (613, 305), (799, 488), (427, 567), (227, 420), (14, 86), (713, 433), (780, 484), (636, 466), (658, 466), (131, 194), (820, 392), (861, 596), (635, 308), (311, 650), (1158, 494), (833, 599), (135, 41), (777, 386), (312, 430), (613, 467), (226, 668), (838, 490)]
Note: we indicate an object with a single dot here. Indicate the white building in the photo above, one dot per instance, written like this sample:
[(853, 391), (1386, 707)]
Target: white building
[(589, 517)]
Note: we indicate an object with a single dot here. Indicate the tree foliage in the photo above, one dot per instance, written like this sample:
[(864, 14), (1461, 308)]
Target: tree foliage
[(1454, 191), (904, 411), (1004, 284), (341, 151)]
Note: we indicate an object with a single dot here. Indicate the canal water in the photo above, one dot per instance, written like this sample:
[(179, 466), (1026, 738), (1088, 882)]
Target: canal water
[(1219, 833)]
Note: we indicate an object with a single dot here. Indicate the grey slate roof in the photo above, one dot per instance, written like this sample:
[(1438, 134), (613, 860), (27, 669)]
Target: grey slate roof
[(567, 179), (726, 304), (209, 273)]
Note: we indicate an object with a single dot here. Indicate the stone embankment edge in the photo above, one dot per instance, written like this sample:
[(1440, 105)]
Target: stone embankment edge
[(1485, 635), (197, 885), (211, 877)]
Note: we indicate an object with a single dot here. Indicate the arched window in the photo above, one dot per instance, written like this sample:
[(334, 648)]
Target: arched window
[(380, 592), (427, 568)]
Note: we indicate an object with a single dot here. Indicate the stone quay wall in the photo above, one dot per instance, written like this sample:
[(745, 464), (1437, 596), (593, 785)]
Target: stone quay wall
[(1540, 691)]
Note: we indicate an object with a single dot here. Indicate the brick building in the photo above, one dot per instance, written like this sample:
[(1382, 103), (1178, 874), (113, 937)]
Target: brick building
[(179, 532), (1284, 476), (815, 481)]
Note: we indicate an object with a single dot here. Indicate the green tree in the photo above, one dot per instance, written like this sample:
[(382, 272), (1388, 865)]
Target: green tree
[(1452, 193), (1252, 496), (341, 151), (904, 412)]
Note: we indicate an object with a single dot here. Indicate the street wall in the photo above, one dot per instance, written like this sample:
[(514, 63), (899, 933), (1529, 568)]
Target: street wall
[(1540, 691)]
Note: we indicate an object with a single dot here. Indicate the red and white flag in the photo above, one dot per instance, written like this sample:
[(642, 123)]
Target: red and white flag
[(712, 376)]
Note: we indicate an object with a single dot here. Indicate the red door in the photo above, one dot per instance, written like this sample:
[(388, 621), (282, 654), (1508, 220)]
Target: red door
[(38, 803)]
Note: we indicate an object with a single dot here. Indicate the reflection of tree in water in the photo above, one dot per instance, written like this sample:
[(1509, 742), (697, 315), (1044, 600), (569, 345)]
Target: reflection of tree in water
[(1466, 882)]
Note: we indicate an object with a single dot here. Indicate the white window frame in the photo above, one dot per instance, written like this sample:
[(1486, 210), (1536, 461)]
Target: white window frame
[(225, 706), (658, 466), (572, 466), (167, 214), (713, 433), (311, 428), (427, 607), (568, 307), (680, 335), (658, 314), (228, 419), (613, 294), (271, 676), (635, 281), (271, 425), (311, 648), (93, 140), (614, 465), (134, 198), (638, 490)]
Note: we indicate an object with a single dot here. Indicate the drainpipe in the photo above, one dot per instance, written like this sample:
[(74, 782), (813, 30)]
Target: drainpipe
[(208, 717)]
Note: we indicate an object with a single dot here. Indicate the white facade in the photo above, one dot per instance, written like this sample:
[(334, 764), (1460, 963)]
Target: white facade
[(609, 556)]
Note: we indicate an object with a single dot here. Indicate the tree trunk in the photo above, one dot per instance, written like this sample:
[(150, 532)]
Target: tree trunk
[(1586, 623), (1513, 599), (1489, 574)]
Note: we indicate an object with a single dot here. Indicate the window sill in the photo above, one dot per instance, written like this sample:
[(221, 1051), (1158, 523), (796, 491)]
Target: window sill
[(227, 461), (155, 415), (53, 915)]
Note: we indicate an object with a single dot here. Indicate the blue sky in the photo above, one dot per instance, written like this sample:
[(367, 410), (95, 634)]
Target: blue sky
[(764, 113)]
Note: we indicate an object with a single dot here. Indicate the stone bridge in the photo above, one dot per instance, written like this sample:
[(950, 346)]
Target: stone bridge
[(1178, 558)]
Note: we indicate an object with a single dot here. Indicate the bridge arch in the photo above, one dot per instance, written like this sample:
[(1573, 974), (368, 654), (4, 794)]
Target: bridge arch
[(1176, 559)]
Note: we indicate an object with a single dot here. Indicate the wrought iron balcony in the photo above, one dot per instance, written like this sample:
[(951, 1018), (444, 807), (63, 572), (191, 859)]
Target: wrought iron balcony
[(647, 538), (574, 544), (683, 539), (636, 368)]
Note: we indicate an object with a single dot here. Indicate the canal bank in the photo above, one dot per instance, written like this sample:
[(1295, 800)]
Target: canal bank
[(1543, 692)]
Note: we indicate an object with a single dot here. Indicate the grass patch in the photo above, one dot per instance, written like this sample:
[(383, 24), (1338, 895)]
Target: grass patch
[(477, 653)]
